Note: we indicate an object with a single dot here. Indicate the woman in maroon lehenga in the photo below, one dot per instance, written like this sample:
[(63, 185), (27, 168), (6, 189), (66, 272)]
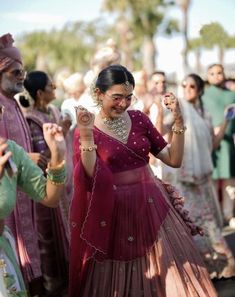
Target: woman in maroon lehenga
[(129, 233), (52, 224)]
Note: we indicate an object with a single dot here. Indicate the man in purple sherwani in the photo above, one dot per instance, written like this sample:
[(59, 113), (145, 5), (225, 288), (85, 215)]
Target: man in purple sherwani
[(13, 126)]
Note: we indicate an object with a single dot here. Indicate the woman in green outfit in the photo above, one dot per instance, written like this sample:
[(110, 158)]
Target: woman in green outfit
[(215, 99), (17, 170)]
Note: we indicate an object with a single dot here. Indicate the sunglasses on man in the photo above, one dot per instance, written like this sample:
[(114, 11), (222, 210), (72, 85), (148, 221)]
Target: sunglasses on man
[(17, 73)]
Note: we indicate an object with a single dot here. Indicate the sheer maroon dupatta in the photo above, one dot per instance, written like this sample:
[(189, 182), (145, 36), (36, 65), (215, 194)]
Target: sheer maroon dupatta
[(90, 217)]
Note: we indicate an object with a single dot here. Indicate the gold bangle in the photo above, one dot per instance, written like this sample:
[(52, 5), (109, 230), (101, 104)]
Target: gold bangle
[(88, 148), (56, 183), (57, 167), (178, 131)]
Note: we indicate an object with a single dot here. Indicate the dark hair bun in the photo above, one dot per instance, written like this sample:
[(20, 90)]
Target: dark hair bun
[(24, 101)]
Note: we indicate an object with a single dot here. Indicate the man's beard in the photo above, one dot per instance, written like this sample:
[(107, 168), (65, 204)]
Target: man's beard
[(11, 88)]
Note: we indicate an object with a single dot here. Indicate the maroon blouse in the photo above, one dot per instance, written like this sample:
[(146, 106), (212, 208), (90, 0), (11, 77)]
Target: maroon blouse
[(142, 140)]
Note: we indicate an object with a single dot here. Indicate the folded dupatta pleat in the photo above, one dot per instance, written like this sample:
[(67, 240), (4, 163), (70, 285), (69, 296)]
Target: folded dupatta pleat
[(90, 219)]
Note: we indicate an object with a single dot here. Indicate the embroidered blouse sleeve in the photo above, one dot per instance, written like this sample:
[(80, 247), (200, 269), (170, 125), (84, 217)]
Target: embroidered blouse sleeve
[(157, 142)]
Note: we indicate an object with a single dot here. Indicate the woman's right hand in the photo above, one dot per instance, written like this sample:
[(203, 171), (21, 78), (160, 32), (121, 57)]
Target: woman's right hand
[(4, 156), (85, 125), (54, 138), (85, 120)]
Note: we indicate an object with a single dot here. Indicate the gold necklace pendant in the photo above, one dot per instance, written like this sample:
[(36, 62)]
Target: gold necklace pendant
[(117, 126)]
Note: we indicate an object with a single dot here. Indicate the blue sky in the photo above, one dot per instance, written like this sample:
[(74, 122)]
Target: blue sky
[(18, 16)]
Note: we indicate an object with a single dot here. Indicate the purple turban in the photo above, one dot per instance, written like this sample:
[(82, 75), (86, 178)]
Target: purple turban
[(8, 53)]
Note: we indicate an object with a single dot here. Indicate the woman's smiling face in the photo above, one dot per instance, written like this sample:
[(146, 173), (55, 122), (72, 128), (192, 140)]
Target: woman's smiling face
[(190, 90), (116, 100)]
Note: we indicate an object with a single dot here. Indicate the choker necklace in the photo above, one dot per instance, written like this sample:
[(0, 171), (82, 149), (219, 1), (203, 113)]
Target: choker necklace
[(117, 126)]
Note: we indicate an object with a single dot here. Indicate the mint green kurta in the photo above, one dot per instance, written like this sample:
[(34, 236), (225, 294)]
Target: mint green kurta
[(215, 100), (31, 180)]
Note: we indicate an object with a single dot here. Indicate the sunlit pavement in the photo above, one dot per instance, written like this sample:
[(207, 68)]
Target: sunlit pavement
[(226, 287)]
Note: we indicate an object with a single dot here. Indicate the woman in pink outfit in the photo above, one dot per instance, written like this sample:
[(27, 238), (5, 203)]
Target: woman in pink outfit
[(52, 224), (129, 233)]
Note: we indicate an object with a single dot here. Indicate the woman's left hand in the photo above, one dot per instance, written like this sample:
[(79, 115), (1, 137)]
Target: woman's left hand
[(172, 103), (53, 135)]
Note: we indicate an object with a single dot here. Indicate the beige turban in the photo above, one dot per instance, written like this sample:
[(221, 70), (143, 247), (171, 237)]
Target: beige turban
[(8, 53), (73, 82), (107, 55)]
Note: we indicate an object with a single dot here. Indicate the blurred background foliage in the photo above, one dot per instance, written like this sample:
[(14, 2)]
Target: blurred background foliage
[(133, 25)]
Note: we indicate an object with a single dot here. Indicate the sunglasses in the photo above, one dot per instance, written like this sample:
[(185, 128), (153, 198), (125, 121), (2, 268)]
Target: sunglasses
[(160, 82), (18, 73), (189, 86)]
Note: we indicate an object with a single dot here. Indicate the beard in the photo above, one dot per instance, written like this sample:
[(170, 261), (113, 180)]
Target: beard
[(11, 88)]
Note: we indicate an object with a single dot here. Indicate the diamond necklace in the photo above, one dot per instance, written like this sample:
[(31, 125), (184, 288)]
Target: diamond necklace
[(117, 126)]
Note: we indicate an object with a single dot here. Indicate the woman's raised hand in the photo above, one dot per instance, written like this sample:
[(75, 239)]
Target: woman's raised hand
[(85, 119), (172, 103), (53, 135)]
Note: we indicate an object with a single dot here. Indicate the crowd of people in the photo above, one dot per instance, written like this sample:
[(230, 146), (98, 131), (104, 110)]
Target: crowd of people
[(123, 189)]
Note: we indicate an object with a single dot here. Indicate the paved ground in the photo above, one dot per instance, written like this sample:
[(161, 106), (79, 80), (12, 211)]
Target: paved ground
[(226, 288)]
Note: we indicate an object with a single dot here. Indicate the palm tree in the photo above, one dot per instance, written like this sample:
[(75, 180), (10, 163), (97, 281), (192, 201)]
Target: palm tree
[(184, 5), (213, 34), (141, 20), (71, 47), (195, 45)]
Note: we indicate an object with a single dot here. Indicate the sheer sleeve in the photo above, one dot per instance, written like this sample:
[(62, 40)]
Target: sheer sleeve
[(157, 142)]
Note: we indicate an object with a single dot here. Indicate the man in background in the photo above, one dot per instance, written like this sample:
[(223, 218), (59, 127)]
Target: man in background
[(13, 126)]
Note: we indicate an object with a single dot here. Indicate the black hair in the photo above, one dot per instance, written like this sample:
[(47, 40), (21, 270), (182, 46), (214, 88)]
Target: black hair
[(200, 88), (113, 75), (34, 81), (158, 72), (215, 64)]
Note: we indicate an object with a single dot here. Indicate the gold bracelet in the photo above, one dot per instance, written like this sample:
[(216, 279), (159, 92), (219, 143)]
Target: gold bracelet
[(88, 148), (178, 131), (57, 167), (56, 183)]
